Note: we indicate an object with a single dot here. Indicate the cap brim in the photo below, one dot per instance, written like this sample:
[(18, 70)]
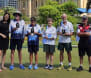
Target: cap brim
[(14, 14)]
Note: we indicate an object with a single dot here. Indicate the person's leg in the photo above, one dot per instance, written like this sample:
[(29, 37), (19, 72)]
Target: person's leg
[(81, 60), (51, 58), (31, 58), (89, 59), (61, 57), (47, 61), (3, 59), (51, 61), (47, 58), (36, 61), (20, 56), (20, 59), (69, 58), (12, 57), (36, 58), (0, 59), (61, 48), (81, 64)]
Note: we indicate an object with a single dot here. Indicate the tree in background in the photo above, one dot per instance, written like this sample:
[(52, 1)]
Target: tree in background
[(11, 10), (55, 10), (49, 10)]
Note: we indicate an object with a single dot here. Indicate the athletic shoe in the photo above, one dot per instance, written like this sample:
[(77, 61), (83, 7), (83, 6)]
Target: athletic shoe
[(35, 67), (22, 67), (90, 69), (69, 68), (46, 67), (30, 67), (60, 67), (50, 67), (11, 67), (80, 68)]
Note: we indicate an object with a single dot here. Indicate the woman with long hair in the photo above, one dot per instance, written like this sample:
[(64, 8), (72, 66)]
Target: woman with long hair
[(4, 38)]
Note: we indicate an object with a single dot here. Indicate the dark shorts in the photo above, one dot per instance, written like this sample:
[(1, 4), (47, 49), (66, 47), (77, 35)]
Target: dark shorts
[(49, 48), (16, 42), (66, 46), (33, 48), (84, 50), (4, 44)]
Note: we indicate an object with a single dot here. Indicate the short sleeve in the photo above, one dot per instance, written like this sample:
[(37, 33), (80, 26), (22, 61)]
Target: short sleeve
[(72, 28), (10, 26), (78, 30), (27, 30), (39, 29), (58, 29), (55, 33)]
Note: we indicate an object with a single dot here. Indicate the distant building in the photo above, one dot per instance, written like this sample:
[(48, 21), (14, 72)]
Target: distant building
[(30, 7), (12, 3)]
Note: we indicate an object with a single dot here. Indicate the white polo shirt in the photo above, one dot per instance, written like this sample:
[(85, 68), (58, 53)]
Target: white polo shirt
[(68, 29), (51, 33)]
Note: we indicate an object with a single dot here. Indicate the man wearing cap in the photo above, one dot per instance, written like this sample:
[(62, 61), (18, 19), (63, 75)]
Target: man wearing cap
[(84, 46), (33, 32), (17, 37)]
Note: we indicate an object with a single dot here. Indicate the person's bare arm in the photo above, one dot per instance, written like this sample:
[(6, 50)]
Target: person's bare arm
[(38, 33), (2, 35), (14, 29), (68, 34), (59, 33), (81, 34)]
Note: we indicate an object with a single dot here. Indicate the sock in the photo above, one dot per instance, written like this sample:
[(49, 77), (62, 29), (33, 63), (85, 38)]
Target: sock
[(70, 64), (20, 64), (31, 64), (81, 65), (61, 63), (36, 64), (90, 65)]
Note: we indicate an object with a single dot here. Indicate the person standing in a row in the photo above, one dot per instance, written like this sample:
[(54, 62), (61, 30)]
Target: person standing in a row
[(17, 37), (65, 31), (49, 36), (84, 46), (33, 32), (4, 38)]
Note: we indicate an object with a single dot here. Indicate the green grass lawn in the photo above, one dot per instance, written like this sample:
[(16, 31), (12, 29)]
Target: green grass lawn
[(42, 73)]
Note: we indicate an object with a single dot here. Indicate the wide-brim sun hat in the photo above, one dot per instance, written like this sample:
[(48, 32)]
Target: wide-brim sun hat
[(17, 13)]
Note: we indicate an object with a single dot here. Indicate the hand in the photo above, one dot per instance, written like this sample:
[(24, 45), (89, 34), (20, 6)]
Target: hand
[(46, 37), (67, 34), (36, 33), (14, 29), (51, 38), (59, 33), (4, 36)]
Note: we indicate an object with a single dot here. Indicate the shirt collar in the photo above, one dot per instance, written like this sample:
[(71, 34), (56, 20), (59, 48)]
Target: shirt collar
[(31, 25)]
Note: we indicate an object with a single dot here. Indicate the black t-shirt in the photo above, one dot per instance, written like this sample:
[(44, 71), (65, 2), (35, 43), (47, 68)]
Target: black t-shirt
[(4, 28)]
